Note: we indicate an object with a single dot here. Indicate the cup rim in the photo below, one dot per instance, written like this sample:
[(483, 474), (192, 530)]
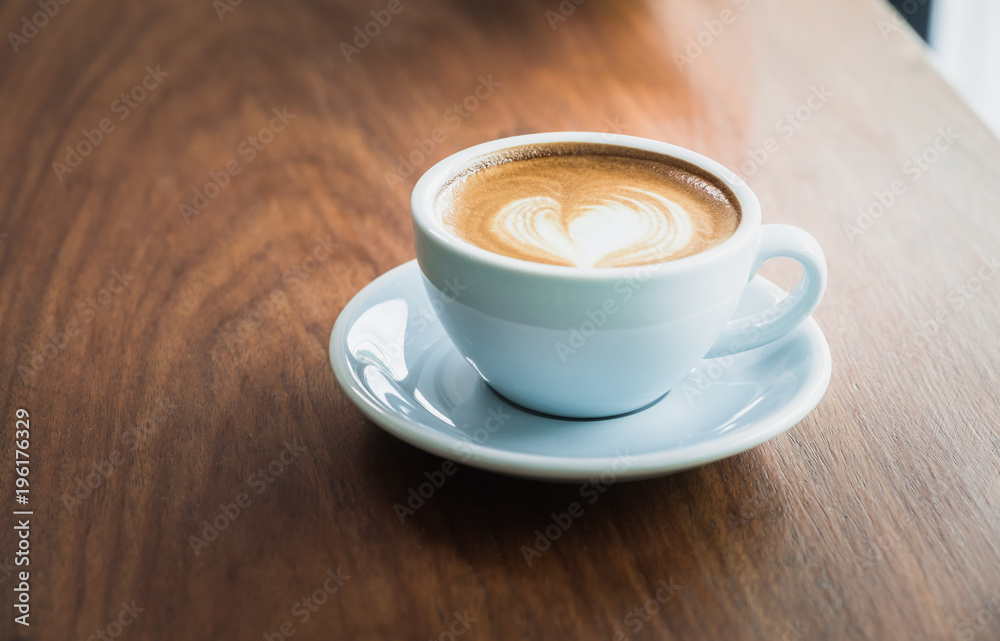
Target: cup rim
[(432, 180)]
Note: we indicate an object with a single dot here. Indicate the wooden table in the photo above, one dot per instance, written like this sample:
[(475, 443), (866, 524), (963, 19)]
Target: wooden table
[(236, 172)]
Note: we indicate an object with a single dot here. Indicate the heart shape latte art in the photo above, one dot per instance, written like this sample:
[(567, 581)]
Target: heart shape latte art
[(629, 227)]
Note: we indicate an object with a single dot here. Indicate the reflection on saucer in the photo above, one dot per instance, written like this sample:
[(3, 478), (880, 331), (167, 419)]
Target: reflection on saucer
[(397, 365)]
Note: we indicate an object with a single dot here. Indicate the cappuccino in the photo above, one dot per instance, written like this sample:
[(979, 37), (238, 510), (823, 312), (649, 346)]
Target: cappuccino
[(588, 205)]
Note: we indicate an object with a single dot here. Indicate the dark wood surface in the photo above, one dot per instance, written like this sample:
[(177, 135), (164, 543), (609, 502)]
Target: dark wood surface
[(876, 517)]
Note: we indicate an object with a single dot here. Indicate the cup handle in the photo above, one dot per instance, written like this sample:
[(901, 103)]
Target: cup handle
[(759, 329)]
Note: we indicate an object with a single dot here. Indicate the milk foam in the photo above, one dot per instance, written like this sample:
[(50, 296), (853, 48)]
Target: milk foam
[(628, 227), (588, 205)]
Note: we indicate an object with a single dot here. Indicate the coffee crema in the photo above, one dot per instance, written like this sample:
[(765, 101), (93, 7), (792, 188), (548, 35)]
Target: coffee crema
[(588, 205)]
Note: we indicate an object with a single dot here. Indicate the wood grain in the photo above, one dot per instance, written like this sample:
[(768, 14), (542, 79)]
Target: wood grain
[(877, 517)]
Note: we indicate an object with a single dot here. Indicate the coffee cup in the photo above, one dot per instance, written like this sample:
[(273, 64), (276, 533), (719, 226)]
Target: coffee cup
[(590, 279)]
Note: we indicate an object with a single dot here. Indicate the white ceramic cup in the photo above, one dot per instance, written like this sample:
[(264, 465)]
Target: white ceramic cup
[(593, 342)]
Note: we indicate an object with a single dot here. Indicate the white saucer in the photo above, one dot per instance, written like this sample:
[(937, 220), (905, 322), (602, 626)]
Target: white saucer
[(397, 365)]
